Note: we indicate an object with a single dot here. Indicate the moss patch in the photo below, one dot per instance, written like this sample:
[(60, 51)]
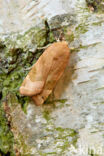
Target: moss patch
[(6, 136), (17, 54)]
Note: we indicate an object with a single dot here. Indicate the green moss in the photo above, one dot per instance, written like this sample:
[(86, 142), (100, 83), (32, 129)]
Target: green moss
[(46, 115), (82, 28), (63, 135), (52, 100), (63, 139), (47, 154), (70, 132), (65, 146), (98, 23), (38, 36), (54, 103), (16, 57), (51, 37), (17, 54), (91, 152), (60, 129), (87, 46), (20, 144), (14, 71), (6, 136)]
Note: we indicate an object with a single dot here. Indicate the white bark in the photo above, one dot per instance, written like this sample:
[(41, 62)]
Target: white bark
[(83, 82)]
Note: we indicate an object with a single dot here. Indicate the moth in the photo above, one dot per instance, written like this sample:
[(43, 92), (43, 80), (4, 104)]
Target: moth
[(45, 73)]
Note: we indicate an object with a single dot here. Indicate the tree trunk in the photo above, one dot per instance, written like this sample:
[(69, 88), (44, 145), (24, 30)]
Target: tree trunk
[(71, 120)]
